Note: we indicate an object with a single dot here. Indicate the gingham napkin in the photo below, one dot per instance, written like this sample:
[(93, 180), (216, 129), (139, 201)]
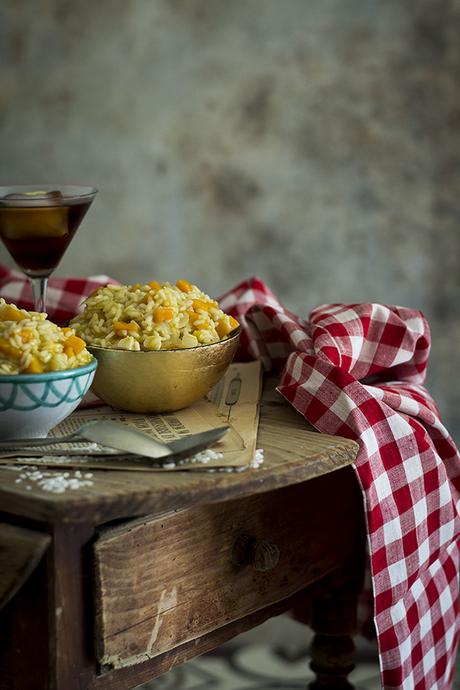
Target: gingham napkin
[(64, 295), (356, 371)]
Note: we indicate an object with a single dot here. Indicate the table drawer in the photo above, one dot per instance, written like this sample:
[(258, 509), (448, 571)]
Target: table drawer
[(170, 579)]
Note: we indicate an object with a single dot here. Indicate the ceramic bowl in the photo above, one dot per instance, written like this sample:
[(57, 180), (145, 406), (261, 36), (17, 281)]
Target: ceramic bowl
[(32, 404), (160, 380)]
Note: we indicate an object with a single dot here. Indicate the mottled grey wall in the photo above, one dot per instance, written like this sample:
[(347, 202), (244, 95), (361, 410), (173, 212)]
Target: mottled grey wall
[(313, 142)]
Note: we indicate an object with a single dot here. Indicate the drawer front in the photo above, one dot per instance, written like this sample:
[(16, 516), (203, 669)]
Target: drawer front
[(170, 579)]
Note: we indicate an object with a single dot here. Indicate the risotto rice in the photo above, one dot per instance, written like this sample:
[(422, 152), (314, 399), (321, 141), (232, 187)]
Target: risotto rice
[(30, 344), (152, 317)]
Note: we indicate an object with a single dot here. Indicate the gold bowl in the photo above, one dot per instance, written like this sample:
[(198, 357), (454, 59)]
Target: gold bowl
[(160, 380)]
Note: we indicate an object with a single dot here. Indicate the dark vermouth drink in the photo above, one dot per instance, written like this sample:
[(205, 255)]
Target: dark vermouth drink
[(37, 227)]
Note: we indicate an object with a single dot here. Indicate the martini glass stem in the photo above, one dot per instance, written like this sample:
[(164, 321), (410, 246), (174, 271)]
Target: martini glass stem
[(39, 286)]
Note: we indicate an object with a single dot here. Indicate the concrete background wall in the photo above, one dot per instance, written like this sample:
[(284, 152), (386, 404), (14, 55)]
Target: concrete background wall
[(312, 142)]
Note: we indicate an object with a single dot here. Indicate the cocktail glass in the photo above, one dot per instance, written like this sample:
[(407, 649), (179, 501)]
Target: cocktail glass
[(37, 224)]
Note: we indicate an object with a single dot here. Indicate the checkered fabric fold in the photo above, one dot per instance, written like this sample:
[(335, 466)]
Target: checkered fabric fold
[(64, 295), (357, 371)]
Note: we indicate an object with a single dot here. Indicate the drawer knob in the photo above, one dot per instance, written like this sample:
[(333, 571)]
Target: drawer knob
[(261, 554)]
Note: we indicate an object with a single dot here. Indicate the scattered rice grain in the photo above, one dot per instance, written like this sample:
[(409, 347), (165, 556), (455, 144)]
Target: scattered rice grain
[(53, 482)]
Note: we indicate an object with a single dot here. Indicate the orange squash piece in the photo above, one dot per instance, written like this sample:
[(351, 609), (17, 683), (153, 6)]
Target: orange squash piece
[(9, 350), (225, 327), (123, 326), (76, 343), (10, 313), (161, 314), (183, 285), (35, 366)]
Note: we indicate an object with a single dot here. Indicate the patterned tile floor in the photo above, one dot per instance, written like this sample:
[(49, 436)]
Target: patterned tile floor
[(253, 667), (247, 663)]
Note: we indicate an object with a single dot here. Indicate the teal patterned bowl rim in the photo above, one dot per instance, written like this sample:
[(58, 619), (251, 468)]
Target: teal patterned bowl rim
[(50, 375)]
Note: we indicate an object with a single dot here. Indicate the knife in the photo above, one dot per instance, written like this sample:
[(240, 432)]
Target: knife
[(123, 438)]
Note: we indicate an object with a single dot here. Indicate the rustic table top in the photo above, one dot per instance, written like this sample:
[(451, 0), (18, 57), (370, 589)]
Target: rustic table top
[(293, 451)]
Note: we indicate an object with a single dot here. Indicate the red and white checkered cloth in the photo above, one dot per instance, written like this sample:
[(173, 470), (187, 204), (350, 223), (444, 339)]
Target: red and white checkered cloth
[(357, 371), (64, 295)]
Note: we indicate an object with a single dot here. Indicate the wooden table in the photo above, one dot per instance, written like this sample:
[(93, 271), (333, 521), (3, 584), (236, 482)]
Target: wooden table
[(114, 584)]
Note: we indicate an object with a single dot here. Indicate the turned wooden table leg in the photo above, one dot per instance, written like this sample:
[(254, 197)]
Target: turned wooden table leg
[(333, 618), (332, 650)]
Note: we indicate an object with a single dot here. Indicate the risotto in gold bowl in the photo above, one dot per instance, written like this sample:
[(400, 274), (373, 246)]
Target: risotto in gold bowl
[(152, 317), (159, 347)]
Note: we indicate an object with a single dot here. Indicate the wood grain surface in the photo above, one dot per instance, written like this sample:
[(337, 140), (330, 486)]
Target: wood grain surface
[(165, 581), (293, 451)]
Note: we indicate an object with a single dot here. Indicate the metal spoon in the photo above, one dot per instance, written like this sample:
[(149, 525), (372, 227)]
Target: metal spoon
[(121, 437)]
